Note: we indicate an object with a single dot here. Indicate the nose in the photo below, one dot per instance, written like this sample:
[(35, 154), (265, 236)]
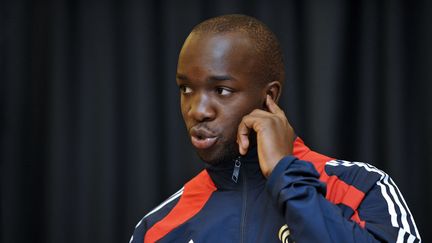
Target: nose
[(201, 108)]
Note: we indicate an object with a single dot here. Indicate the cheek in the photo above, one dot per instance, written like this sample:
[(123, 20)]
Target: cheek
[(184, 109), (248, 104), (231, 118)]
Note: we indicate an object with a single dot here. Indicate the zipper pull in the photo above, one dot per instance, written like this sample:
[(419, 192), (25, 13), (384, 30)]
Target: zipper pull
[(236, 172)]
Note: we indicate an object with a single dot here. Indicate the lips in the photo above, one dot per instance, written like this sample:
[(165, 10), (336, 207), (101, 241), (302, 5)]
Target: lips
[(202, 138)]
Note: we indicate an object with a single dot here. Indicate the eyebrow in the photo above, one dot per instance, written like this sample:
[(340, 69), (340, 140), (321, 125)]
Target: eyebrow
[(213, 78), (181, 76), (216, 78)]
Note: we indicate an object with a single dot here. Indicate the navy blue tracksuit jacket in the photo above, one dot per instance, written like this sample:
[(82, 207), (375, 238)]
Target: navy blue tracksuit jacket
[(308, 197)]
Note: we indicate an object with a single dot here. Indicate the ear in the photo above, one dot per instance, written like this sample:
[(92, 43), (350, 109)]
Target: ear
[(274, 89)]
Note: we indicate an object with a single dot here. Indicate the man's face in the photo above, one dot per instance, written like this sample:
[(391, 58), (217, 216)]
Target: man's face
[(216, 74)]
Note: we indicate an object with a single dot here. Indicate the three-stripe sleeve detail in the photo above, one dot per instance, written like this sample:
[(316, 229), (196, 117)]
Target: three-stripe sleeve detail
[(393, 198)]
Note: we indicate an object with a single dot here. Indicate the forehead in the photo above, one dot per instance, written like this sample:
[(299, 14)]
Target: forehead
[(217, 53)]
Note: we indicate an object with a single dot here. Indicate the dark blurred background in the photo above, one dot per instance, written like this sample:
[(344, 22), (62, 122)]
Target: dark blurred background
[(91, 133)]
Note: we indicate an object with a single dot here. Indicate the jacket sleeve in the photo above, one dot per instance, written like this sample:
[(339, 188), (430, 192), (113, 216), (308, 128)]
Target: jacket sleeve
[(300, 195)]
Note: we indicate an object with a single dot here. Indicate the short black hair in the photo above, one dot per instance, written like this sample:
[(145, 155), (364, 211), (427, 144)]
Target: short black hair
[(266, 44)]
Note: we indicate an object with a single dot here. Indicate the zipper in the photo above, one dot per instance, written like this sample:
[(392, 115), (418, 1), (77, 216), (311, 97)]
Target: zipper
[(235, 176), (236, 172), (243, 218)]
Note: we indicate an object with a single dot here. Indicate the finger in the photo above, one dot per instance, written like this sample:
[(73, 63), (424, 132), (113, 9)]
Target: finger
[(248, 123), (260, 113), (243, 137), (273, 107)]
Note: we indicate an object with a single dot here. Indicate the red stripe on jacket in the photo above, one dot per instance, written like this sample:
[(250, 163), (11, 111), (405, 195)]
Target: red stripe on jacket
[(195, 195)]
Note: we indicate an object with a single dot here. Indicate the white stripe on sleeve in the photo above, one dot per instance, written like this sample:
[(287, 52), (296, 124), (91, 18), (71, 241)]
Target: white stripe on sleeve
[(170, 199)]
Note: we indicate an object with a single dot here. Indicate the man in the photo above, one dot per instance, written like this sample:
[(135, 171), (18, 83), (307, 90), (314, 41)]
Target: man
[(261, 183)]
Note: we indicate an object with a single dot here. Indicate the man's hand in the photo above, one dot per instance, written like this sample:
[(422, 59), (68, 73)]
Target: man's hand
[(275, 135)]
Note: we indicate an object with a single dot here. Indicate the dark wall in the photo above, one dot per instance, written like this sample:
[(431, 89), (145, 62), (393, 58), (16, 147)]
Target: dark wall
[(91, 133)]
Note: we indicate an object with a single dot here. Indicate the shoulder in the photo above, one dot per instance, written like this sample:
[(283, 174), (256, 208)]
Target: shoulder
[(362, 176), (155, 215), (357, 174), (363, 188), (346, 182), (175, 209), (199, 184)]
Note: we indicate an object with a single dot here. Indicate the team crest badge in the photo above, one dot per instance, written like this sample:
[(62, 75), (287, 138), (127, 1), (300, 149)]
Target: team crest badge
[(284, 234)]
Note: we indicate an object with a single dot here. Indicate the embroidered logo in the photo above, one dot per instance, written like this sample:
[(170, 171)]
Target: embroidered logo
[(284, 234)]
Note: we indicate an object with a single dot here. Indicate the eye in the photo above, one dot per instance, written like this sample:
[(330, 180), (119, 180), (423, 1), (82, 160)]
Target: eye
[(185, 89), (223, 91)]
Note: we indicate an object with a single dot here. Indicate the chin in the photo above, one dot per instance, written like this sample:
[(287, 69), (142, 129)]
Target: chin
[(219, 155)]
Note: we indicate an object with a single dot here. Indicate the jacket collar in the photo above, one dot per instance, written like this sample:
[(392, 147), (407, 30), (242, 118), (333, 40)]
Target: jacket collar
[(250, 171)]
